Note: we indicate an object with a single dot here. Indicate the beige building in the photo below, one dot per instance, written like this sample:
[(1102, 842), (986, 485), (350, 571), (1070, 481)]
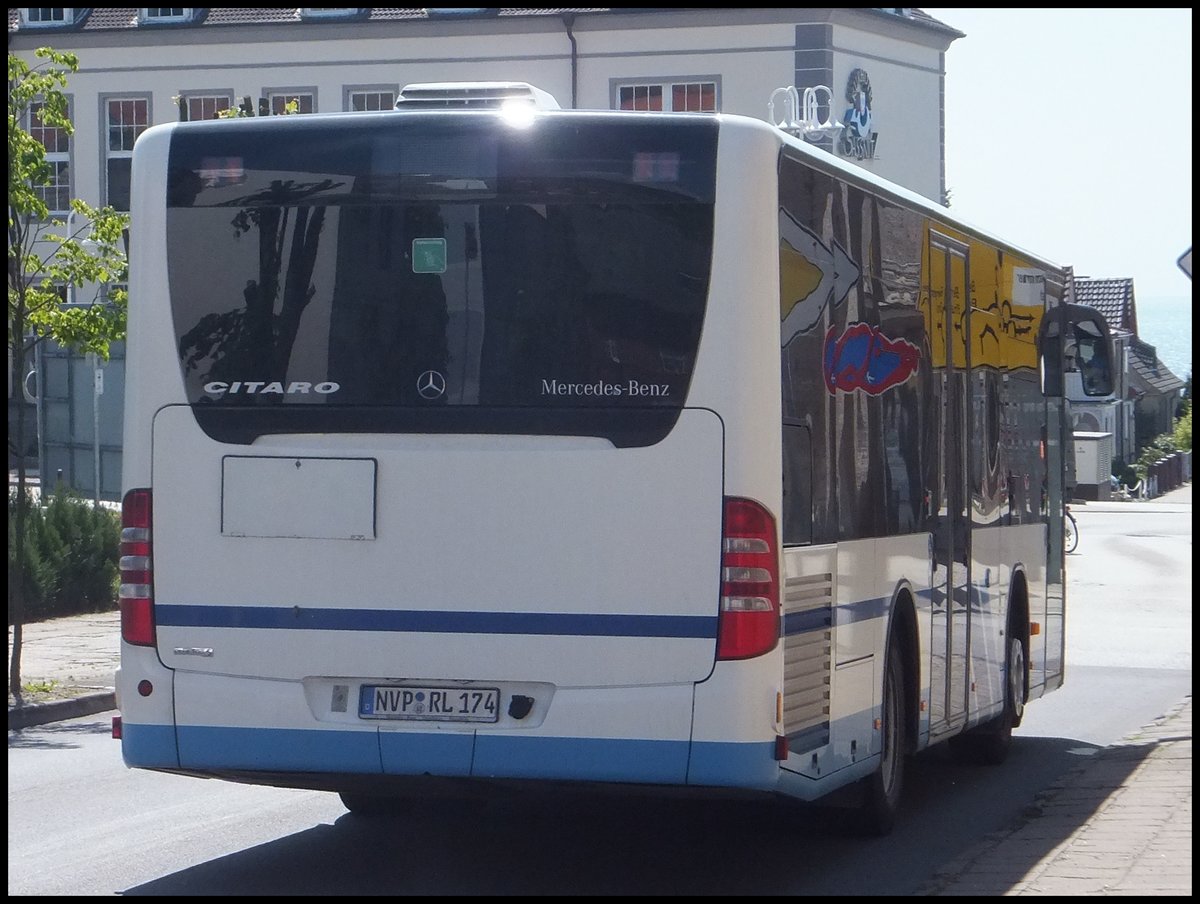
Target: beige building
[(878, 71), (139, 67)]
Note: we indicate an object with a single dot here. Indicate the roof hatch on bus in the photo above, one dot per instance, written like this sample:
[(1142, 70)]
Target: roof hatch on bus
[(473, 96)]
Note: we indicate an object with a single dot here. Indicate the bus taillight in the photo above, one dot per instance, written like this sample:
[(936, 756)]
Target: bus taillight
[(749, 618), (137, 573)]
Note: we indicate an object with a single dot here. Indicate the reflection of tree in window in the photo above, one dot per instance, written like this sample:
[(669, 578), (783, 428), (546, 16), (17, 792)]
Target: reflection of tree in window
[(254, 341)]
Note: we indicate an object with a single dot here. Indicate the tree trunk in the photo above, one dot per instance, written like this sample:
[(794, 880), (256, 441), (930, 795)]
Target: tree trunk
[(16, 576)]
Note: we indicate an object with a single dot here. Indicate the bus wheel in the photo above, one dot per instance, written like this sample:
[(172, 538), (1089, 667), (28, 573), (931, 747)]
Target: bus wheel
[(881, 792), (988, 744)]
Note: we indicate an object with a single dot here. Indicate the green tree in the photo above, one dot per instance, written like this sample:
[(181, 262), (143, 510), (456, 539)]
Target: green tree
[(45, 255)]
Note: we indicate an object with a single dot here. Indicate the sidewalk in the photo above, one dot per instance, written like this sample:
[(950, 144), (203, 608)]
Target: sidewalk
[(1120, 824), (68, 666), (1181, 496)]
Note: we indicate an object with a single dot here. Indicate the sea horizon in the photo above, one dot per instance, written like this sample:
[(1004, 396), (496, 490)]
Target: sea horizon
[(1165, 321)]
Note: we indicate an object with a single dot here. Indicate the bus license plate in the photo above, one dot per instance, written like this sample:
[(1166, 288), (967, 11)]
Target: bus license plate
[(429, 704)]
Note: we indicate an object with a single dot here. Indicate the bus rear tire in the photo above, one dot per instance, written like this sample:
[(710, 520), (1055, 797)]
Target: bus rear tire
[(882, 791)]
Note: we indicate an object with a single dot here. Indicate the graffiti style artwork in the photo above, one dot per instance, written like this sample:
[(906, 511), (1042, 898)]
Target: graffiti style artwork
[(858, 138), (863, 358), (812, 277)]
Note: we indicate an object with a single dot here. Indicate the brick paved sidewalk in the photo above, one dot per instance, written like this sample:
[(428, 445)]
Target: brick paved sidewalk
[(1121, 824)]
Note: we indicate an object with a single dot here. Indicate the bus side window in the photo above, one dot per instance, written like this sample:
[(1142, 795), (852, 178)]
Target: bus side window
[(797, 485)]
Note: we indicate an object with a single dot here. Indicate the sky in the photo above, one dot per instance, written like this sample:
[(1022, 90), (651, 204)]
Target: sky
[(1069, 134)]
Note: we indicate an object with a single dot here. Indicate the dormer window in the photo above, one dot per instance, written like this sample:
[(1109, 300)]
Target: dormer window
[(164, 14), (46, 16)]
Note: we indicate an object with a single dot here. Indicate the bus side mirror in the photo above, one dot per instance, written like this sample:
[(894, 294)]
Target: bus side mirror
[(1075, 349)]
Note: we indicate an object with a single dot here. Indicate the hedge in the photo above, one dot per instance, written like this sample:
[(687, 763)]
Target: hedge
[(72, 548)]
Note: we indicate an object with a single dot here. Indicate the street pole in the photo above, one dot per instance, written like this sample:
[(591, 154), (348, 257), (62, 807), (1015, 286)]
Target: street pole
[(97, 391)]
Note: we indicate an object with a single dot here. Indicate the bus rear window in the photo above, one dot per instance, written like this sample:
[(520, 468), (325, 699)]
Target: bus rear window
[(510, 292)]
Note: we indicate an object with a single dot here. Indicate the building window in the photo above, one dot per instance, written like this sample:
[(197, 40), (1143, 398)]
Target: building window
[(46, 15), (205, 106), (694, 97), (306, 101), (125, 119), (106, 293), (371, 99), (642, 97), (669, 97), (57, 141), (166, 14)]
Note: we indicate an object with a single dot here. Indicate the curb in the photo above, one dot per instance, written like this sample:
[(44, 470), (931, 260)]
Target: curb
[(57, 710)]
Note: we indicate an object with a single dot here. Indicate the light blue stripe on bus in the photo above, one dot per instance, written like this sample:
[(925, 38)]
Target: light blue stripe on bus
[(434, 621), (700, 763), (278, 749), (493, 756), (734, 765), (149, 746), (415, 753), (581, 759)]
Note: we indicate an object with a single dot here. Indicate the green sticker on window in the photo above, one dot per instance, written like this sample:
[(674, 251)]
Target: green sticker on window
[(429, 256)]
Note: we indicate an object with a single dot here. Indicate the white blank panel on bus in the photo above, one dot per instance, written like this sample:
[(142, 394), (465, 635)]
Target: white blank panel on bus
[(319, 498)]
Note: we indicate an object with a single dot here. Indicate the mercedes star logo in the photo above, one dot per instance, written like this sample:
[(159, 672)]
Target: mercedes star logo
[(431, 385)]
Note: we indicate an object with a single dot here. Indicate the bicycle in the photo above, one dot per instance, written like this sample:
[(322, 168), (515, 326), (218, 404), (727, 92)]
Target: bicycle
[(1070, 530)]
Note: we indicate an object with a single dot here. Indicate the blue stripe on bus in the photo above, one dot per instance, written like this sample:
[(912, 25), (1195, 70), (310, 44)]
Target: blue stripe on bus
[(818, 619), (745, 765), (434, 621), (862, 610), (809, 620)]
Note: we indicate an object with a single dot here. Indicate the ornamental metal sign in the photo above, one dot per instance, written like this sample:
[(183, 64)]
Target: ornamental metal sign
[(858, 138)]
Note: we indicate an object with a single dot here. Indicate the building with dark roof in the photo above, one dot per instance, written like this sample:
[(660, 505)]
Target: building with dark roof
[(1157, 392), (1113, 298), (1144, 405)]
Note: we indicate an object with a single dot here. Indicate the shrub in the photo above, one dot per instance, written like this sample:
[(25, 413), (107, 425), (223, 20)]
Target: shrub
[(1183, 429), (36, 574), (72, 550), (1159, 447)]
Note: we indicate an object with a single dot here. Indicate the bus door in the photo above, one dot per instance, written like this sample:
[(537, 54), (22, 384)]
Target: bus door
[(950, 312)]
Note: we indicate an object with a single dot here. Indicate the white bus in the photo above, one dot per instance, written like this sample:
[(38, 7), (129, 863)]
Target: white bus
[(472, 449)]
